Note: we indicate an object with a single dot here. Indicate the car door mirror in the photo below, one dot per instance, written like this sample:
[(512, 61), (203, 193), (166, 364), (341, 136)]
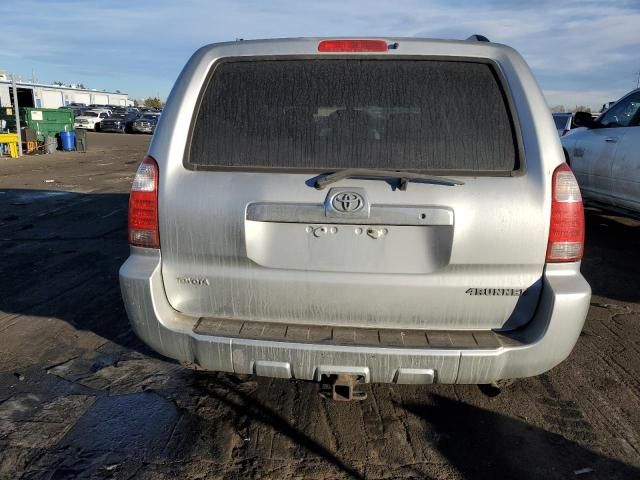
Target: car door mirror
[(584, 119)]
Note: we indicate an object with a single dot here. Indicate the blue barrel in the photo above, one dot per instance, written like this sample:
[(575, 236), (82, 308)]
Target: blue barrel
[(68, 140)]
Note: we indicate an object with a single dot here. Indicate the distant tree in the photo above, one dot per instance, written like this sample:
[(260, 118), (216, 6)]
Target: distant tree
[(118, 91), (581, 108), (81, 85), (558, 108), (136, 103), (153, 102), (59, 84)]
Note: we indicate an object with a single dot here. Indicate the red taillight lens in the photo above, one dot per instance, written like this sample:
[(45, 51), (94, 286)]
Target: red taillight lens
[(566, 233), (143, 206), (352, 46)]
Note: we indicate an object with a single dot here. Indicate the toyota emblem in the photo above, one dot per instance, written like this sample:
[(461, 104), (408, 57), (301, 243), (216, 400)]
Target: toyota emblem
[(347, 202)]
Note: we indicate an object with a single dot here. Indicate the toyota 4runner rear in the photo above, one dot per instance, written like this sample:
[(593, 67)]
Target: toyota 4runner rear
[(389, 210)]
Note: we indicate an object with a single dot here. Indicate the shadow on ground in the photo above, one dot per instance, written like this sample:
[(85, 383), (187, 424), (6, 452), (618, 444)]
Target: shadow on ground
[(485, 445), (612, 258), (61, 254)]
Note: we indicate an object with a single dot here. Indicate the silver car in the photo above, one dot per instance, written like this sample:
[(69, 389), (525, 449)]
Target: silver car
[(392, 210), (605, 155)]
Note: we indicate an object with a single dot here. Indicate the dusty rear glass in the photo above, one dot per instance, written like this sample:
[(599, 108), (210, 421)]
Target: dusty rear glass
[(324, 114)]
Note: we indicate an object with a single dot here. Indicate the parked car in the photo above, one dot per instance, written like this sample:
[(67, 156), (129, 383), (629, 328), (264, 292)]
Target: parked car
[(77, 111), (564, 122), (118, 123), (605, 154), (149, 110), (146, 123), (351, 210), (91, 119)]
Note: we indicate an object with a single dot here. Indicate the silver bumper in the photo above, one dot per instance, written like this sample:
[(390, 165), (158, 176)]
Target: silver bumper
[(539, 346)]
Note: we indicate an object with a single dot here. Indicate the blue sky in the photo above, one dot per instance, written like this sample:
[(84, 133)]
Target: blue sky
[(582, 51)]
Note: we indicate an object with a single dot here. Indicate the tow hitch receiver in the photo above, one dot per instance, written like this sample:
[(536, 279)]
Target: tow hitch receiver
[(343, 388)]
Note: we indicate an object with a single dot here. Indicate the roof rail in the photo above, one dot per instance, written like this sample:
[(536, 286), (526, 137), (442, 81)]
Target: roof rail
[(477, 38)]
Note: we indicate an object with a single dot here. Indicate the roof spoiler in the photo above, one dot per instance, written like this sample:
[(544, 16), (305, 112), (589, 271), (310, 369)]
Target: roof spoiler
[(477, 38)]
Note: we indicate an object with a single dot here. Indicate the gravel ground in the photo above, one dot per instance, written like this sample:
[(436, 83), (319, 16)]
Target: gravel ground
[(81, 397)]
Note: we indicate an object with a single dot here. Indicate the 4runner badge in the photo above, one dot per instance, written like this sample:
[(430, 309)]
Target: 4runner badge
[(495, 292)]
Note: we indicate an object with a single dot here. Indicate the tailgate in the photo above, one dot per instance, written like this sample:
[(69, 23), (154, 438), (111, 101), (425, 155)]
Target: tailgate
[(245, 235)]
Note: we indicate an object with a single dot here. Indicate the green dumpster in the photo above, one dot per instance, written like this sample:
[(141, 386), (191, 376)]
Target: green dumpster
[(46, 122)]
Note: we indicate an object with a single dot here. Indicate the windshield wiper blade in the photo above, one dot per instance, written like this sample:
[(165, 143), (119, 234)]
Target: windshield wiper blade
[(403, 177)]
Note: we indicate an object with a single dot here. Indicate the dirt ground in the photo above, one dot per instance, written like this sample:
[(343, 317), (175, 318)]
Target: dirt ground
[(81, 397)]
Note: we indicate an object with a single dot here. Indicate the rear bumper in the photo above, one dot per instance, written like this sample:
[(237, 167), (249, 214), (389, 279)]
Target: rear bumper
[(543, 343)]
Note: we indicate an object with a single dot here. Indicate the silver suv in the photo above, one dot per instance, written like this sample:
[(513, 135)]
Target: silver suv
[(376, 210)]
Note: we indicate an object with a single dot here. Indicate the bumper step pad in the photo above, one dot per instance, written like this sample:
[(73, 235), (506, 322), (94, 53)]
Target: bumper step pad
[(326, 335)]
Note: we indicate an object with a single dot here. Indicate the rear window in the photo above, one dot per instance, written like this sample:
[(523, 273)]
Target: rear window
[(422, 115)]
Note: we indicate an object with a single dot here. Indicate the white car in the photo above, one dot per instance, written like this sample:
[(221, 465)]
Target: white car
[(90, 120), (605, 154)]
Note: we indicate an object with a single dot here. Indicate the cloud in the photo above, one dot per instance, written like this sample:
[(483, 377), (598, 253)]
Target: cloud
[(580, 47)]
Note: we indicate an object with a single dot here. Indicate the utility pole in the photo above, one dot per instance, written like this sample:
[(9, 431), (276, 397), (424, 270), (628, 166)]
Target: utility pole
[(16, 107), (638, 79)]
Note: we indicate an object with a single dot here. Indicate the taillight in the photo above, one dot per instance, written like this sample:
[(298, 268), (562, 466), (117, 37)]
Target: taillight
[(566, 232), (352, 46), (143, 206)]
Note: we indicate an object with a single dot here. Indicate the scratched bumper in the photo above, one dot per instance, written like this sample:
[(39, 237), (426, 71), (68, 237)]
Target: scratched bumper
[(543, 343)]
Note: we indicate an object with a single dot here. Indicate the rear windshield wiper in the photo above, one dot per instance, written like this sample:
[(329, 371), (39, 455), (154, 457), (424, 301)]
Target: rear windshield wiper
[(403, 177)]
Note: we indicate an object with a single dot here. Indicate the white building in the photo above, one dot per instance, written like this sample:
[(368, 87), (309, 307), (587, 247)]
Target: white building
[(53, 96)]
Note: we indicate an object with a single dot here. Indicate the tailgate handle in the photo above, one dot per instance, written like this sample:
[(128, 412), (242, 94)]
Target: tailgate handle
[(410, 215)]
